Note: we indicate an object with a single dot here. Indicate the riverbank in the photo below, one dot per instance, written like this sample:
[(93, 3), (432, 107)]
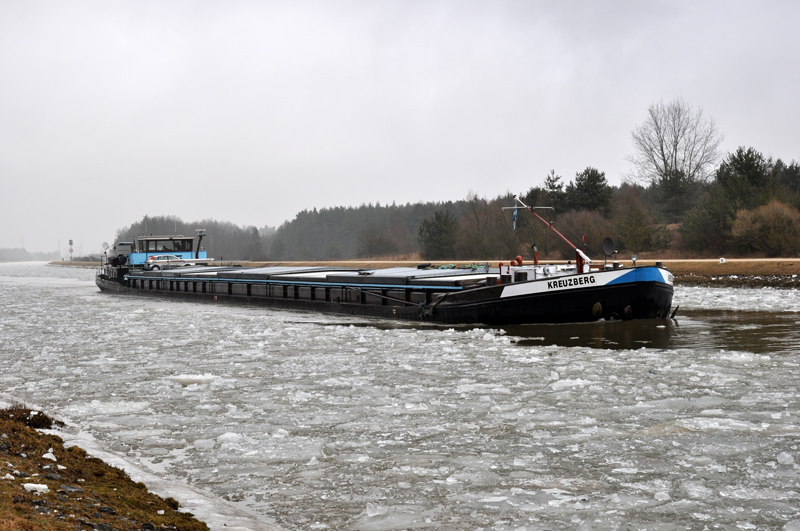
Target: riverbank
[(46, 486), (749, 273), (743, 272)]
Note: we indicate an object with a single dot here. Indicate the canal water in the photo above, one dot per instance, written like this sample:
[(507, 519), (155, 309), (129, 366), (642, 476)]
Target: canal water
[(307, 421)]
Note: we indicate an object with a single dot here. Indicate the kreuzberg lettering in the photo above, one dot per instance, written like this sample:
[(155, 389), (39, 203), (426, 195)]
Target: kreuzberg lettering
[(572, 281)]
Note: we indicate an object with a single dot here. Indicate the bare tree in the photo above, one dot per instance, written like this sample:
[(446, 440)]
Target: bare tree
[(475, 240), (674, 141)]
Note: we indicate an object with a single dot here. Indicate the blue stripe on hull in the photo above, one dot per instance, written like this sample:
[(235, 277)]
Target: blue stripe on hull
[(642, 274)]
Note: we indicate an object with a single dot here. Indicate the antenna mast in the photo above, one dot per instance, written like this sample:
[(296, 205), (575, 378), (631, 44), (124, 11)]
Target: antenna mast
[(580, 256)]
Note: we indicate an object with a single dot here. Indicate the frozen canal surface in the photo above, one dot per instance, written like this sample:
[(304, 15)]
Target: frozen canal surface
[(326, 422)]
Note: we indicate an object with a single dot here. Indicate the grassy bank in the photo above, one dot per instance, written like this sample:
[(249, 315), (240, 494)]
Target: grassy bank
[(45, 486)]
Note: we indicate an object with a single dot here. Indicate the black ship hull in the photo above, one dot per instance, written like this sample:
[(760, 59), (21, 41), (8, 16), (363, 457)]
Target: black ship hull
[(458, 298)]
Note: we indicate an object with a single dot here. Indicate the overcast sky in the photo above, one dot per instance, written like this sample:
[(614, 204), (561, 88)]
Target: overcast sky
[(250, 111)]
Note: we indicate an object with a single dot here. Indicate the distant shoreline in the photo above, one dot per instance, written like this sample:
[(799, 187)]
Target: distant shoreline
[(743, 272)]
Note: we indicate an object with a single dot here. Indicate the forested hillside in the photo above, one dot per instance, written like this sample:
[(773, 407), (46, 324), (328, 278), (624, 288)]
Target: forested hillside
[(749, 207), (683, 198)]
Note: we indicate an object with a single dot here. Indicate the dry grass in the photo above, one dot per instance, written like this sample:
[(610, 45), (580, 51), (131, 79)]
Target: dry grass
[(31, 418), (83, 492)]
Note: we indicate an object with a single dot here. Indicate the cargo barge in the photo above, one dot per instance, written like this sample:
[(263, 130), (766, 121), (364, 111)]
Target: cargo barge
[(514, 293)]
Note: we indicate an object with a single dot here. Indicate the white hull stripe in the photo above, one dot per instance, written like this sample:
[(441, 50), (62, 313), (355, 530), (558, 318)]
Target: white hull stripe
[(588, 280)]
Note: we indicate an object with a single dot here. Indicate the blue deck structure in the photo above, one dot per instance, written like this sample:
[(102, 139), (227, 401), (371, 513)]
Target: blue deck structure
[(181, 246)]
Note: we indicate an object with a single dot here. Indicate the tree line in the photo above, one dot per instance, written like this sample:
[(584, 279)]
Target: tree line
[(749, 207), (682, 197), (224, 240)]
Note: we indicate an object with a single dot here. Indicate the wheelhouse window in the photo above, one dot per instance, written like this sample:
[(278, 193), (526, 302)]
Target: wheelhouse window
[(162, 245)]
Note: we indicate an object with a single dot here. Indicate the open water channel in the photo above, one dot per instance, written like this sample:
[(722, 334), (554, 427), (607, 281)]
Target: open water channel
[(307, 421)]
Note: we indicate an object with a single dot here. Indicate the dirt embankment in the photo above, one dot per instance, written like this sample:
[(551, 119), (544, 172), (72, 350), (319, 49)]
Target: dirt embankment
[(44, 486), (753, 272)]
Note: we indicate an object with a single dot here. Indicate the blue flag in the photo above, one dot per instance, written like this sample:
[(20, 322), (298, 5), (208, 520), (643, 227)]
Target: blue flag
[(514, 219)]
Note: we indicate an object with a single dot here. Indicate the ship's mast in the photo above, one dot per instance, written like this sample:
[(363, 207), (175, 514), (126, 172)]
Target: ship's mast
[(580, 257)]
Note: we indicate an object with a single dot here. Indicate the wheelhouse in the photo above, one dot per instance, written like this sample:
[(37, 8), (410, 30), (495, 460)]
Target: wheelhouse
[(176, 244)]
